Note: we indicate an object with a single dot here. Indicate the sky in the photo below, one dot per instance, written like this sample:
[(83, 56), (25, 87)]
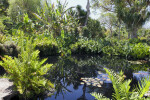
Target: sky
[(83, 3)]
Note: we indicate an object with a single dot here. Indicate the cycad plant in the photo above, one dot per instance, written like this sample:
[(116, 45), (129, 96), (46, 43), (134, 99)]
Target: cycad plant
[(26, 71), (122, 88)]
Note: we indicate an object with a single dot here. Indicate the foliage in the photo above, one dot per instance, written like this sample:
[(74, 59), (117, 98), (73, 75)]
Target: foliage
[(93, 29), (26, 25), (99, 96), (115, 47), (56, 19), (3, 7), (140, 51), (18, 8), (5, 76), (8, 48), (2, 38), (46, 46), (133, 13), (110, 21), (122, 88), (81, 14), (134, 49), (27, 70), (85, 45), (3, 13)]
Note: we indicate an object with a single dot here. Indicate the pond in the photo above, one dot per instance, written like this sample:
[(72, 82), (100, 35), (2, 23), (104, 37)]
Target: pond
[(75, 77)]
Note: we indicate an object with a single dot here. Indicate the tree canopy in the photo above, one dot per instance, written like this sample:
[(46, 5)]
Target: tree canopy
[(133, 13)]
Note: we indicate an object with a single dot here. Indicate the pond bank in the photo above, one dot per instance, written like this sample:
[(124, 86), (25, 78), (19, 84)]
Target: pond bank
[(6, 89)]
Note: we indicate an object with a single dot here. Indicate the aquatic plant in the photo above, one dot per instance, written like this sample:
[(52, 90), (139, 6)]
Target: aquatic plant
[(26, 71)]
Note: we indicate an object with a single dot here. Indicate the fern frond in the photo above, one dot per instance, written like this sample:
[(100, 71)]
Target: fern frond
[(99, 96), (143, 87)]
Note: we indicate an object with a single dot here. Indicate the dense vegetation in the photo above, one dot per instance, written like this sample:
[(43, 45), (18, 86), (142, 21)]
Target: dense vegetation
[(55, 30), (60, 31)]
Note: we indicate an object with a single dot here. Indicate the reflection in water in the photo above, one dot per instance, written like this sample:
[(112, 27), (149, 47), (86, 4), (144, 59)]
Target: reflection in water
[(67, 74), (75, 77)]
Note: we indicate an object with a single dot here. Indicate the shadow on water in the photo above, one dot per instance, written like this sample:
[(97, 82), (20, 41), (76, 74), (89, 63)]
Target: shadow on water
[(67, 74), (2, 71)]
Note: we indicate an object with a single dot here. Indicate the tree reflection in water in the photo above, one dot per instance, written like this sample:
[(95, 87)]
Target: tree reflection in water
[(68, 71)]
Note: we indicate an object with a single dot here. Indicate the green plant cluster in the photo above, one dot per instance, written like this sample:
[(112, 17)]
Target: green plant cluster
[(2, 38), (140, 51), (122, 88), (27, 71), (127, 48), (46, 46), (86, 46)]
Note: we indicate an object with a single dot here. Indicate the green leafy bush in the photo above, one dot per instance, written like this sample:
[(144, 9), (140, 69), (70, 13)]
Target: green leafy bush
[(140, 51), (122, 88), (85, 45), (134, 40), (2, 38), (93, 29), (27, 70), (46, 46), (126, 49), (115, 47), (109, 50)]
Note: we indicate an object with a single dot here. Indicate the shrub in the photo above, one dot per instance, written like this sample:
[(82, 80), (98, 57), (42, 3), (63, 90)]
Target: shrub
[(115, 47), (126, 49), (2, 38), (140, 51), (46, 46), (134, 40), (27, 71), (86, 46)]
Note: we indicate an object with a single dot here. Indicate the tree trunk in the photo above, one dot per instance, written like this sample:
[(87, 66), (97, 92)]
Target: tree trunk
[(111, 32), (134, 33), (129, 33), (119, 35), (88, 12)]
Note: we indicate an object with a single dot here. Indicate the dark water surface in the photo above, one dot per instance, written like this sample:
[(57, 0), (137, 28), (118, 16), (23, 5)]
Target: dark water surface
[(67, 74)]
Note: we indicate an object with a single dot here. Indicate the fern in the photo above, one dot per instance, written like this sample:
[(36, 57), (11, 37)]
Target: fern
[(27, 70), (99, 96), (143, 87), (122, 89)]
